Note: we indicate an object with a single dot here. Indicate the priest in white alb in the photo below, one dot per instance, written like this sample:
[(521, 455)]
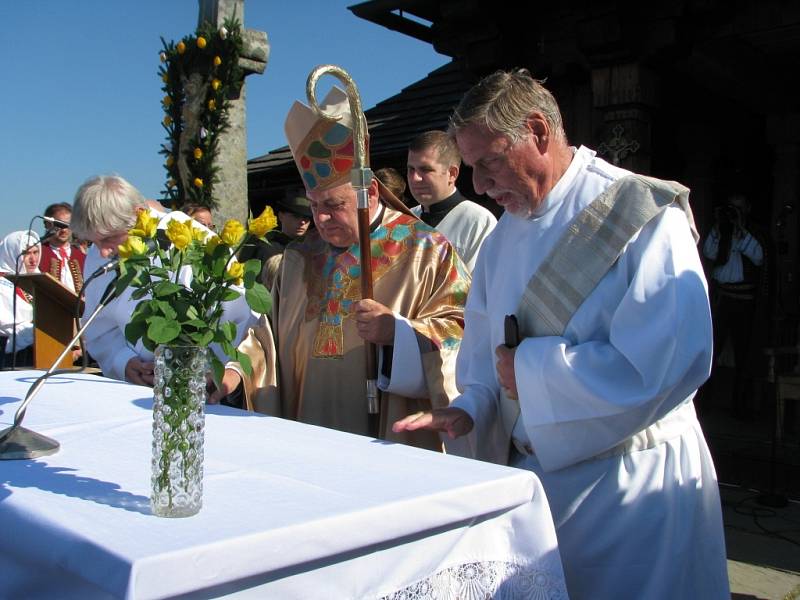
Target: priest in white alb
[(593, 391)]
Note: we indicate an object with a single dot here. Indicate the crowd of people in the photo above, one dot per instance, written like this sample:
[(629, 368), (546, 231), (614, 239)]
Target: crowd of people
[(567, 338)]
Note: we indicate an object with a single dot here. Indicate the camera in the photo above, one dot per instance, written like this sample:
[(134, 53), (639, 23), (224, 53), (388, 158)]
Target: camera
[(729, 214)]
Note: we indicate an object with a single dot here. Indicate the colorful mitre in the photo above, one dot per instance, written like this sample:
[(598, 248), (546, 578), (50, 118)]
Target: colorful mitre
[(322, 147)]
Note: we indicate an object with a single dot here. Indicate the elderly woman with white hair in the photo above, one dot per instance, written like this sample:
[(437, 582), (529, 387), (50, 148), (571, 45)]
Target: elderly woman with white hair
[(104, 209), (19, 253)]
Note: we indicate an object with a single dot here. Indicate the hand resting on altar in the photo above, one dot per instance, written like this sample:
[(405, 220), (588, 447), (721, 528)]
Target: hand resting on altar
[(455, 422)]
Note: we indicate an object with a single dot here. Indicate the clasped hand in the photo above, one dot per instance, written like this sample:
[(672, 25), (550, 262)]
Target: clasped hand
[(139, 371), (505, 370), (374, 322)]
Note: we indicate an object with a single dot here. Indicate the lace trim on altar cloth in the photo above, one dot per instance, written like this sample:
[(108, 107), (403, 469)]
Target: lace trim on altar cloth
[(484, 580)]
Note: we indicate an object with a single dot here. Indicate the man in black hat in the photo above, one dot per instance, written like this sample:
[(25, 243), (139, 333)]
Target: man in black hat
[(294, 218)]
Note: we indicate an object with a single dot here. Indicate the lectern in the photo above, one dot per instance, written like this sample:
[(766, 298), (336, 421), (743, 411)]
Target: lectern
[(53, 316)]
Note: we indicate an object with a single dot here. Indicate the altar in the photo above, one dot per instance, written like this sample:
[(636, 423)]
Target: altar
[(289, 511)]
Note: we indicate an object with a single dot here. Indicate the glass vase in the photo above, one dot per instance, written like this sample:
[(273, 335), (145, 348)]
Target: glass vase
[(178, 427)]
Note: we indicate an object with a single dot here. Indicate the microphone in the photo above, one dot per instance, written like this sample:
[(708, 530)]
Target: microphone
[(112, 264), (57, 223), (105, 268)]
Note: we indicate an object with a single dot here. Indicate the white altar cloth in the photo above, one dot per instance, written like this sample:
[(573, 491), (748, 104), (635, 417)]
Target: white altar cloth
[(289, 511)]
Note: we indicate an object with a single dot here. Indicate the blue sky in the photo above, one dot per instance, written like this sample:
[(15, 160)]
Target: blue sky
[(80, 93)]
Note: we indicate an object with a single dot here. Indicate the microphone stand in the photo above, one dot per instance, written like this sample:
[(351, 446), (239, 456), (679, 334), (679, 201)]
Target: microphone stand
[(17, 442)]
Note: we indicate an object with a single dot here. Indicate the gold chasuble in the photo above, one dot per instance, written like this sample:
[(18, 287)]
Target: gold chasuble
[(320, 367)]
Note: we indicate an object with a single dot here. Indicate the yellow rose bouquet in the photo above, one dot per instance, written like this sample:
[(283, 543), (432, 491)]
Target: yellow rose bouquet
[(183, 275)]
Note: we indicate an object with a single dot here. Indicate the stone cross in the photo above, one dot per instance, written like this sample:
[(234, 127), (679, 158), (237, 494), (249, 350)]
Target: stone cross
[(231, 189)]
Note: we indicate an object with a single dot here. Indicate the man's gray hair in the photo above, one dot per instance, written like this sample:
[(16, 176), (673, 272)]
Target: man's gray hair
[(503, 101), (103, 205)]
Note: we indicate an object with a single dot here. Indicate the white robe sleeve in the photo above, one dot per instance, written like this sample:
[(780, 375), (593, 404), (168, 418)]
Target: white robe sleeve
[(638, 347), (105, 337), (466, 227), (407, 375), (476, 377)]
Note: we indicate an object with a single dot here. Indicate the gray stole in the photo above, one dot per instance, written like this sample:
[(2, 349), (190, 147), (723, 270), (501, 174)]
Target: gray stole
[(584, 254)]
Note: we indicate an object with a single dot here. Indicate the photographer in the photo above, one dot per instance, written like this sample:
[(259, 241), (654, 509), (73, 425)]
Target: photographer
[(737, 256)]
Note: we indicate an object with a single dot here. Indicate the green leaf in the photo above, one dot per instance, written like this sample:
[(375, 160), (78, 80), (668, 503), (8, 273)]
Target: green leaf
[(175, 259), (183, 308), (195, 323), (142, 310), (252, 269), (244, 360), (217, 368), (126, 276), (203, 338), (220, 263), (162, 331), (166, 288), (227, 348), (166, 309), (228, 330), (148, 343), (221, 251), (135, 329), (229, 295), (159, 273), (258, 298)]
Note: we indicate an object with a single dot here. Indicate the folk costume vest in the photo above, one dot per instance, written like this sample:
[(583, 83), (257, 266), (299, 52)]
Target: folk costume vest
[(54, 262)]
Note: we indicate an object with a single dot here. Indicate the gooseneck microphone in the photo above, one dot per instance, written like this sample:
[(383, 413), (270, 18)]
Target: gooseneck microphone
[(112, 264), (57, 223), (17, 442)]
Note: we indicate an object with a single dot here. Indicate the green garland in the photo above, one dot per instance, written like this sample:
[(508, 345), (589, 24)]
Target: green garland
[(214, 55)]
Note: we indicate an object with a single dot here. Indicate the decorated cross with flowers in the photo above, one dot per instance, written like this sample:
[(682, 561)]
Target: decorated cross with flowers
[(200, 74)]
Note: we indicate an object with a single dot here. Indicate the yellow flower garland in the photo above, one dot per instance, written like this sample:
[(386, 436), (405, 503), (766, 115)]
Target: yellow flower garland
[(214, 55)]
